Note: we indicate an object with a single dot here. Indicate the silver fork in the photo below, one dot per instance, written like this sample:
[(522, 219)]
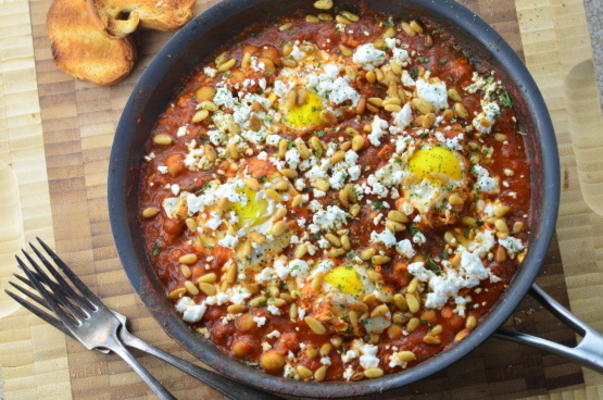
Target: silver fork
[(85, 317)]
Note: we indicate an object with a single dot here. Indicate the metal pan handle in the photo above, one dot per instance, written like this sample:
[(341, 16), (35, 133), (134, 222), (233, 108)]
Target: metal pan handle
[(588, 352)]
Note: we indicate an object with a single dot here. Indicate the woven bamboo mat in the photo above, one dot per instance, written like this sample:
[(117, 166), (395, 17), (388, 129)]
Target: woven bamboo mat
[(55, 138)]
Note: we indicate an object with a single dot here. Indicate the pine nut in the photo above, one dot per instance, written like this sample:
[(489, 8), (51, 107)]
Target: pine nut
[(300, 250), (380, 260), (454, 95), (207, 288), (397, 216), (471, 322), (406, 356), (177, 293), (334, 240), (236, 308), (334, 253), (189, 258), (207, 278), (150, 212), (279, 228), (315, 325), (412, 302), (163, 139), (373, 372), (227, 65), (200, 116), (366, 254), (400, 302), (323, 4), (303, 372), (320, 373), (345, 242)]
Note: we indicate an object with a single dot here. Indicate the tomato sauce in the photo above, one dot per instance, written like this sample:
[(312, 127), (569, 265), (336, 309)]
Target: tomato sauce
[(168, 239)]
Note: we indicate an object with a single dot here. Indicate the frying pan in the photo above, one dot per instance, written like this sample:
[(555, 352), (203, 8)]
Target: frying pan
[(190, 46)]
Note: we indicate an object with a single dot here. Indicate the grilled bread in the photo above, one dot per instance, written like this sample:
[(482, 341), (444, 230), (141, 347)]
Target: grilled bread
[(82, 50), (118, 18)]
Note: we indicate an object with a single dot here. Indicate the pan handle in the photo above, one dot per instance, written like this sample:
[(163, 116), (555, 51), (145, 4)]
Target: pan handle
[(588, 352)]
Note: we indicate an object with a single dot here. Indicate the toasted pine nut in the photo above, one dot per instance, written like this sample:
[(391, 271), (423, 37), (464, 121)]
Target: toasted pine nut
[(289, 173), (177, 293), (315, 325), (207, 278), (412, 302), (380, 260), (207, 288), (373, 372), (163, 139), (366, 254), (200, 116), (227, 65), (236, 308), (150, 212), (279, 228), (320, 373), (397, 216), (188, 259), (323, 4)]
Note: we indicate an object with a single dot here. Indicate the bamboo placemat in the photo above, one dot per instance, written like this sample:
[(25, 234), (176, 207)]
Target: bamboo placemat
[(61, 195)]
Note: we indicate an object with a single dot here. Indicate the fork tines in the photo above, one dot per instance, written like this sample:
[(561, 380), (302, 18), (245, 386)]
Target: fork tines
[(61, 290)]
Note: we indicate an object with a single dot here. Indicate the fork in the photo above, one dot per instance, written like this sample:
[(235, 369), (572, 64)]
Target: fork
[(82, 315)]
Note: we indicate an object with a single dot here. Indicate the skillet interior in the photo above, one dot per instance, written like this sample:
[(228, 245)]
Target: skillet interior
[(161, 82)]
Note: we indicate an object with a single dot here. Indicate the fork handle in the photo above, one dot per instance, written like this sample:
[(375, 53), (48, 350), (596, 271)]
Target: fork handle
[(227, 387), (118, 348)]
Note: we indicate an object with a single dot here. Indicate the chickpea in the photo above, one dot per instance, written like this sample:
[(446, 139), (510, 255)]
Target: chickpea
[(245, 322), (174, 226), (251, 49), (429, 316), (394, 332), (242, 346), (271, 53), (175, 164), (269, 67), (272, 361), (205, 93)]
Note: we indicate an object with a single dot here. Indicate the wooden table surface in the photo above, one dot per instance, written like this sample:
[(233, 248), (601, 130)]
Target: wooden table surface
[(55, 136)]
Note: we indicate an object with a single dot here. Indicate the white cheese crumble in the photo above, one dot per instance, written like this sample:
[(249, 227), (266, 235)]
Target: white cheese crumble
[(386, 237), (404, 247), (434, 93), (378, 129), (485, 183), (368, 56)]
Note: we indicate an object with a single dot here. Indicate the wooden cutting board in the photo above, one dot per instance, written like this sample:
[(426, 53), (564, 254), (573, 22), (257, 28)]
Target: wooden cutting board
[(55, 138)]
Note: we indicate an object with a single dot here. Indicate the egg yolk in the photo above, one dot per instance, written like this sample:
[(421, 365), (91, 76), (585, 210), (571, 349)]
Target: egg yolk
[(435, 159), (253, 210), (345, 279), (306, 115)]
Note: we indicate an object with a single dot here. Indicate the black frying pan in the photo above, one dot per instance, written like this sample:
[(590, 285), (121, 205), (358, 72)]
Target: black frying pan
[(187, 49)]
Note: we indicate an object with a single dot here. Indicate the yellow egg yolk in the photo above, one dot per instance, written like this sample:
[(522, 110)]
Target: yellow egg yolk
[(253, 211), (345, 279), (436, 159), (306, 115)]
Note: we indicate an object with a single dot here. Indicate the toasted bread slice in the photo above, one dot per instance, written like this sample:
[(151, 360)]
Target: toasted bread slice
[(119, 18), (82, 50)]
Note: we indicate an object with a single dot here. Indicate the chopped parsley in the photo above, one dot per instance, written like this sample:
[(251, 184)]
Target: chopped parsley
[(443, 60), (433, 266), (423, 60), (377, 204), (156, 249), (413, 230), (504, 98)]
